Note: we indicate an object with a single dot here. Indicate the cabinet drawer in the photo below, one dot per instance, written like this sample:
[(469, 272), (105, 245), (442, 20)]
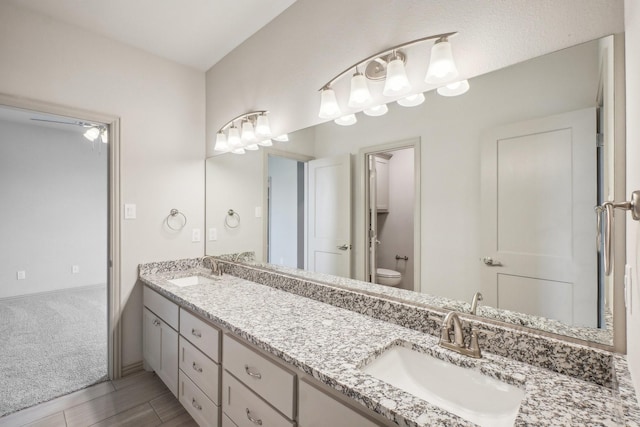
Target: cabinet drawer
[(204, 372), (161, 306), (201, 334), (203, 411), (271, 381), (246, 409), (226, 421), (318, 409)]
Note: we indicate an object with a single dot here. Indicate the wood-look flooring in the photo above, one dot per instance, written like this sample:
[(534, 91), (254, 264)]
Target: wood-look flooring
[(139, 400)]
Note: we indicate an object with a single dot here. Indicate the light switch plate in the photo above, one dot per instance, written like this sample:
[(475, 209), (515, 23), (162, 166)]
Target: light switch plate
[(213, 234), (21, 275), (628, 288), (75, 269), (129, 211), (258, 211), (195, 235)]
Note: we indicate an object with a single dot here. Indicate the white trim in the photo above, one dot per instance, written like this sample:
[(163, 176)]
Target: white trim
[(113, 277)]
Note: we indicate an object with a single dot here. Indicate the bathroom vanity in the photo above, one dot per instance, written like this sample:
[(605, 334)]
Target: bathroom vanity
[(294, 352)]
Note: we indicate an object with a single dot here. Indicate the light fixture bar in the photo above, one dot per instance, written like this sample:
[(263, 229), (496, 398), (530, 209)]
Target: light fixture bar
[(242, 117), (385, 52)]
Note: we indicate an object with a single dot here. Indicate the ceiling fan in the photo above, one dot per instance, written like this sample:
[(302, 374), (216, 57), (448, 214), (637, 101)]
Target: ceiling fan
[(93, 130)]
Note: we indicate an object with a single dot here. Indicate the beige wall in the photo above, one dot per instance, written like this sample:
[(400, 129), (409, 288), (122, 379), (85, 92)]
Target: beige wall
[(632, 58), (161, 105)]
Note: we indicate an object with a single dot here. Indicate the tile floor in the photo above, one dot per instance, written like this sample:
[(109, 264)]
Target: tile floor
[(138, 400)]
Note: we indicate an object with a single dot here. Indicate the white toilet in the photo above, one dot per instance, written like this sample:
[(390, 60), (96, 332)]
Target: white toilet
[(388, 277)]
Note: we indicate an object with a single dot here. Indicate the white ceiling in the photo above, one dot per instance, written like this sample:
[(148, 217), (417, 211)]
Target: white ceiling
[(197, 33)]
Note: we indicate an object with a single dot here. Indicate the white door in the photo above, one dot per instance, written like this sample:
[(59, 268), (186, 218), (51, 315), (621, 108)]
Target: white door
[(329, 229), (538, 192), (373, 217)]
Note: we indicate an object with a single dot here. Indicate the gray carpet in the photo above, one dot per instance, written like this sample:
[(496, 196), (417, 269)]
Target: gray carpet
[(50, 345)]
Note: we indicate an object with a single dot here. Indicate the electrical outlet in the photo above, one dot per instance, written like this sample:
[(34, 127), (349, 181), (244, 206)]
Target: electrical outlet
[(21, 275), (75, 269), (258, 211), (213, 234), (130, 211), (195, 235)]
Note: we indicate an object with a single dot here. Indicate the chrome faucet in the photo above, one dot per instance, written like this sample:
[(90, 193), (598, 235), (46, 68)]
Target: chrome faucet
[(216, 267), (452, 321), (477, 297)]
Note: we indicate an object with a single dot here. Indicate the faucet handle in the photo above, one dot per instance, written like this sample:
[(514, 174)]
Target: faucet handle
[(474, 345)]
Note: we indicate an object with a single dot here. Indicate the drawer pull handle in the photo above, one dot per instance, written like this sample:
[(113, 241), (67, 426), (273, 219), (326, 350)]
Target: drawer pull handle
[(196, 367), (252, 374), (195, 404), (253, 420), (156, 322), (196, 333)]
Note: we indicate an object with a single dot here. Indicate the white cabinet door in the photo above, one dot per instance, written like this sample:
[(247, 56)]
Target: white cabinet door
[(318, 409), (382, 184), (160, 349)]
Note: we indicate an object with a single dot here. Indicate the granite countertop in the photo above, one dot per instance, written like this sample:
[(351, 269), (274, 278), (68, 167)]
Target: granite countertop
[(331, 343)]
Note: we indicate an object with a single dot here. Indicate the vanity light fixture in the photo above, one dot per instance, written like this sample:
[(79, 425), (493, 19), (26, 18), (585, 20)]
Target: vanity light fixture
[(282, 138), (95, 132), (454, 89), (254, 132), (348, 120), (388, 66)]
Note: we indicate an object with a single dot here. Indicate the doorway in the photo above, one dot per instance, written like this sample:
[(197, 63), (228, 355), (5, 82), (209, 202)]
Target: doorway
[(59, 295), (391, 176)]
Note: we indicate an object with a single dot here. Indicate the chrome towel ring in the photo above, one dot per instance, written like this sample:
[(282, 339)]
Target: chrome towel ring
[(174, 222), (232, 220)]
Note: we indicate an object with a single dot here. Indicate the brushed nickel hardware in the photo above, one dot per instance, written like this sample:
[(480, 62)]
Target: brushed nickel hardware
[(174, 213), (477, 297), (491, 262), (344, 247), (607, 209), (253, 420), (156, 322), (196, 333), (216, 266), (231, 214), (452, 321), (196, 367), (256, 375), (195, 404), (406, 258)]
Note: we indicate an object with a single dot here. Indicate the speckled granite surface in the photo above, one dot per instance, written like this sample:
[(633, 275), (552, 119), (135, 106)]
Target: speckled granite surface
[(330, 343), (602, 336)]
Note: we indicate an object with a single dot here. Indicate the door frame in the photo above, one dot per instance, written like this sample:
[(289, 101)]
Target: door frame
[(414, 143), (265, 193), (114, 307)]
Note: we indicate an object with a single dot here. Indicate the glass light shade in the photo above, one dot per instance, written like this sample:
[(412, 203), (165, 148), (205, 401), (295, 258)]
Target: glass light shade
[(329, 108), (234, 138), (282, 138), (92, 134), (378, 110), (442, 68), (411, 100), (104, 136), (454, 89), (396, 82), (221, 142), (262, 127), (251, 147), (348, 120), (248, 134), (238, 150), (266, 143), (360, 95)]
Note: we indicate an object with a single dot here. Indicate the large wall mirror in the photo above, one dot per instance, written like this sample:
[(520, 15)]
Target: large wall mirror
[(492, 191)]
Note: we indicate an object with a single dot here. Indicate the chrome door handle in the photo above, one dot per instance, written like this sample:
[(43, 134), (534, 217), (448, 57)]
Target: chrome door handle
[(344, 247), (491, 262)]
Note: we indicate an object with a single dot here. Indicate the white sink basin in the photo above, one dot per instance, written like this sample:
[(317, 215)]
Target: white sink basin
[(465, 392), (192, 280)]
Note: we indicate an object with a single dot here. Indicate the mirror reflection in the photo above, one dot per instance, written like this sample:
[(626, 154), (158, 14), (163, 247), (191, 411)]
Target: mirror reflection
[(492, 191)]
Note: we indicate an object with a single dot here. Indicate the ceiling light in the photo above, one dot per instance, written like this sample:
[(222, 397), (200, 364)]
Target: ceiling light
[(454, 89), (262, 127), (282, 138), (411, 100), (329, 108), (360, 95), (348, 120), (442, 69), (397, 82), (378, 110), (266, 143), (221, 142), (92, 133)]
